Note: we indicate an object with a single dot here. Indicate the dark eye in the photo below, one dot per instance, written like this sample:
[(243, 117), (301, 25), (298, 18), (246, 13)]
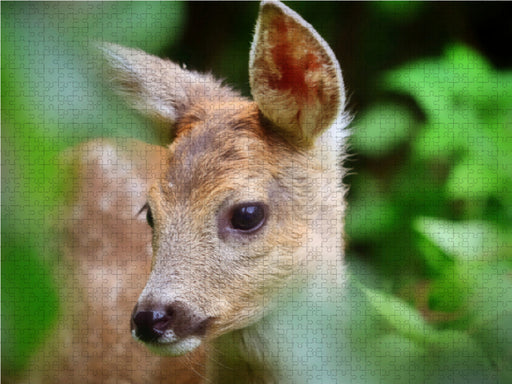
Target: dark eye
[(248, 217), (149, 215)]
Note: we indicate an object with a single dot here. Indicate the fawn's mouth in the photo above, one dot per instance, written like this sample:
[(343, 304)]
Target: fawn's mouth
[(171, 345)]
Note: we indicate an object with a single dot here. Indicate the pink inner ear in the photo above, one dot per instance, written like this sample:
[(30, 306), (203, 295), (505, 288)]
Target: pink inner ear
[(293, 60)]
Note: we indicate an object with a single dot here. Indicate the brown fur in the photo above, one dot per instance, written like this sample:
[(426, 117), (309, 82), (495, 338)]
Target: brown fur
[(107, 259), (281, 150)]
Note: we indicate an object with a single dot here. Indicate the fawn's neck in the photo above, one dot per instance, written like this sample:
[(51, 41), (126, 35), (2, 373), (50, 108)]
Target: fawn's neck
[(265, 351), (240, 357)]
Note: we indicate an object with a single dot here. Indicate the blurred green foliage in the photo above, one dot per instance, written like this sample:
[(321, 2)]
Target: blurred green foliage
[(439, 225), (430, 208)]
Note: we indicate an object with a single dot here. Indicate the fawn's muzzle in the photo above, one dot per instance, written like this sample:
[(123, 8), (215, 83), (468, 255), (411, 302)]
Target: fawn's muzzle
[(167, 324)]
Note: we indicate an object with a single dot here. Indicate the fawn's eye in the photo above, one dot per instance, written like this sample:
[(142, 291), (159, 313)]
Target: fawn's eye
[(149, 215), (248, 217)]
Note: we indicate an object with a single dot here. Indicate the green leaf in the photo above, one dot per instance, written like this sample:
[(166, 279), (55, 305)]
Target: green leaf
[(403, 318), (491, 290), (29, 300), (435, 258), (449, 293), (495, 338), (465, 241), (455, 357), (441, 86), (398, 11), (370, 215), (380, 129), (397, 359), (472, 179)]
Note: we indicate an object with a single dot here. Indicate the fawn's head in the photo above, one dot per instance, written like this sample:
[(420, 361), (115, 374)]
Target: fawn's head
[(249, 193)]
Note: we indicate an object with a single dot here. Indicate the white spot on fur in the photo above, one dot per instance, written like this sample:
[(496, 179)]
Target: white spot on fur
[(105, 203), (177, 348), (106, 156), (170, 345), (168, 337)]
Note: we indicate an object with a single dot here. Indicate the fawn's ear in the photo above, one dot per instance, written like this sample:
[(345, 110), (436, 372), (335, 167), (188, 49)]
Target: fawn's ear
[(295, 77), (158, 88)]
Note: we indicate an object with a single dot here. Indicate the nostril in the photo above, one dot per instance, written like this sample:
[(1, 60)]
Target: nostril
[(161, 321), (178, 317), (150, 325)]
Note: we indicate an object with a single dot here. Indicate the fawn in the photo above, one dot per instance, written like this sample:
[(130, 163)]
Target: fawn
[(245, 204)]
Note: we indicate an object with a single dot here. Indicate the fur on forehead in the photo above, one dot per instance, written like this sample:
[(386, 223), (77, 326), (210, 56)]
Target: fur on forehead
[(222, 141)]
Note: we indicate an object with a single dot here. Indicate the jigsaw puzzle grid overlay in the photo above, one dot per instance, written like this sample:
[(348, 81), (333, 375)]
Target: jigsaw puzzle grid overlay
[(428, 222)]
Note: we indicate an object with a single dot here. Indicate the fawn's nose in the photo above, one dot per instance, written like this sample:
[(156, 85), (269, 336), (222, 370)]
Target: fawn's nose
[(154, 324), (150, 325)]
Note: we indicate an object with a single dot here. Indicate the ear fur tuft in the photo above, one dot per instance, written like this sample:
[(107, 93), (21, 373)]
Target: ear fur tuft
[(158, 88), (295, 77)]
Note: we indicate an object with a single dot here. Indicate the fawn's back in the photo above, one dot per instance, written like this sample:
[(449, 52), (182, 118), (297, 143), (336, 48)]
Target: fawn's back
[(245, 202)]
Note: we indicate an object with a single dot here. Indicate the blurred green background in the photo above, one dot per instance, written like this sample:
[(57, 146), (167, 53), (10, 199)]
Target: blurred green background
[(430, 205)]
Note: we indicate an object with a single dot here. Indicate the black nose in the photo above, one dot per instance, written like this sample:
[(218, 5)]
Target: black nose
[(150, 323)]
